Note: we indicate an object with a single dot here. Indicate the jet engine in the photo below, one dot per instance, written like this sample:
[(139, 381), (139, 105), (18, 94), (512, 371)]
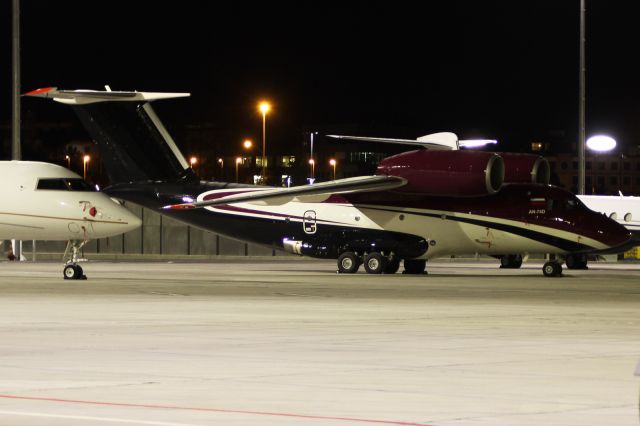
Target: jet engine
[(525, 168), (447, 173)]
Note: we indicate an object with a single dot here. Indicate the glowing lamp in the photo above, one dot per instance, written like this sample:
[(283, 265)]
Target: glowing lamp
[(601, 143)]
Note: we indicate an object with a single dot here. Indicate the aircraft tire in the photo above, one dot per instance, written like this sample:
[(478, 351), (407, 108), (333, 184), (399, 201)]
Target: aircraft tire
[(70, 272), (511, 261), (552, 269), (348, 263), (375, 263), (393, 264), (414, 267), (576, 261)]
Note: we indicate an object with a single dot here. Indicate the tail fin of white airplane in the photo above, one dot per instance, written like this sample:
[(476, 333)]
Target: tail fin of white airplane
[(134, 144)]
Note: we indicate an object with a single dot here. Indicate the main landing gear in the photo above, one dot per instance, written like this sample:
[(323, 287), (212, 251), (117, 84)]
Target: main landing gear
[(576, 261), (552, 268), (73, 271), (377, 263), (510, 261)]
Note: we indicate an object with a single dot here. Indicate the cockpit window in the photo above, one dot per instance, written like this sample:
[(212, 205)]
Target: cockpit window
[(64, 184), (564, 203)]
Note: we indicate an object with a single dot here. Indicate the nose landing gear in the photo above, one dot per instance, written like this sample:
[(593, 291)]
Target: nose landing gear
[(73, 271)]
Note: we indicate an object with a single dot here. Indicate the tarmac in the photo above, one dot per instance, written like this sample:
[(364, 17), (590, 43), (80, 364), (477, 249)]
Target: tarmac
[(283, 342)]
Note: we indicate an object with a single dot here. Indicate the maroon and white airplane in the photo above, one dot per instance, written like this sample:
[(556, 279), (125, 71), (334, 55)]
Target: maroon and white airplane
[(432, 201)]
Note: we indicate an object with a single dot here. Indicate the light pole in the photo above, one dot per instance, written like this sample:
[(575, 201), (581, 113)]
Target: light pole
[(66, 157), (311, 145), (312, 163), (192, 162), (264, 108), (85, 162), (221, 162), (333, 163), (581, 102), (238, 161)]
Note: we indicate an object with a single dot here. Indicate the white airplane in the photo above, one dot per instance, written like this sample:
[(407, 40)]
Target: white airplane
[(43, 201), (624, 210)]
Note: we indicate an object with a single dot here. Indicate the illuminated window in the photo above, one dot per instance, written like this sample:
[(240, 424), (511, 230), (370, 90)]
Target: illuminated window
[(288, 161), (536, 146)]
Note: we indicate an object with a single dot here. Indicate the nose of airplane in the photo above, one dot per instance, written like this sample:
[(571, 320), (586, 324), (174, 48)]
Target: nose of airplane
[(608, 231), (112, 218)]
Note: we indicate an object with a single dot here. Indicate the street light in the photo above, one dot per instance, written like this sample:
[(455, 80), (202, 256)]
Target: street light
[(221, 162), (312, 163), (264, 108), (599, 144), (247, 144), (85, 161), (333, 163), (66, 157), (193, 161), (238, 161)]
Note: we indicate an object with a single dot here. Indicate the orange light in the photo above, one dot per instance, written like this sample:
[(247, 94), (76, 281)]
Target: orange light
[(247, 144), (193, 160), (312, 161), (264, 107), (238, 160), (86, 158), (332, 162)]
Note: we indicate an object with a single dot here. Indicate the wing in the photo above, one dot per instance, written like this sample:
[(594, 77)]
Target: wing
[(284, 195)]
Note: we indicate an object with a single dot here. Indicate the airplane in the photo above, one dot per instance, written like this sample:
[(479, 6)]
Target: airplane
[(428, 202), (624, 210), (44, 201)]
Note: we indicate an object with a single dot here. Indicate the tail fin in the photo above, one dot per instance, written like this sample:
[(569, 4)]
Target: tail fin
[(134, 144)]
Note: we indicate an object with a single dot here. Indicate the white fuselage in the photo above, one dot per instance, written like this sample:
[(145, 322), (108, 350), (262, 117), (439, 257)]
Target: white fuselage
[(447, 232), (70, 212), (624, 210)]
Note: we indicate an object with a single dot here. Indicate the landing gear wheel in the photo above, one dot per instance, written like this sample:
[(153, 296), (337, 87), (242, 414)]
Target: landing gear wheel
[(393, 264), (575, 261), (552, 269), (375, 263), (412, 266), (348, 263), (73, 272), (511, 261)]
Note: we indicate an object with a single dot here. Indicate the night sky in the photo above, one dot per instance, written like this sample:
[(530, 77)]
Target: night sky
[(497, 69)]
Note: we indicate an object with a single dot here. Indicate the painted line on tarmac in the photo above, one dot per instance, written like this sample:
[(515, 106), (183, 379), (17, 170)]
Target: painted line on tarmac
[(93, 418), (211, 410)]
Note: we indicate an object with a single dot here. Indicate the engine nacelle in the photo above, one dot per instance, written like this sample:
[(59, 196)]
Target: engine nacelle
[(525, 168), (447, 173)]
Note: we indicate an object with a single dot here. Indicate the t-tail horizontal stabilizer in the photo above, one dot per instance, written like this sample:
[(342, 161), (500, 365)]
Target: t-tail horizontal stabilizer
[(83, 97)]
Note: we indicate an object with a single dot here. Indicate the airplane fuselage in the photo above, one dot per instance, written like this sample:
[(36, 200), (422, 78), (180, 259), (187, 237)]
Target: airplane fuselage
[(43, 201), (520, 218)]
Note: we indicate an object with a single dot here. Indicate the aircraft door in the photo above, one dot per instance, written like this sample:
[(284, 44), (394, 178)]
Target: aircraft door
[(309, 222)]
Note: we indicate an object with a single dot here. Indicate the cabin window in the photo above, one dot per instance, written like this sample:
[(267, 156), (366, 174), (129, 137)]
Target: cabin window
[(64, 184)]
